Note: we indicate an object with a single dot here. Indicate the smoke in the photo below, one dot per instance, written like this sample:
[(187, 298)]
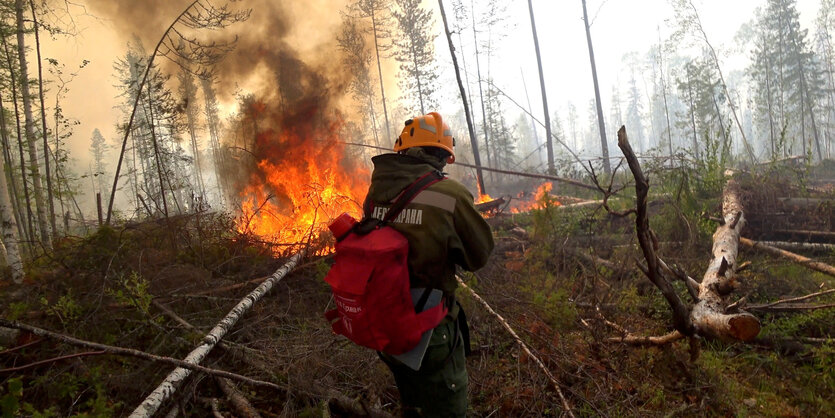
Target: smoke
[(285, 73)]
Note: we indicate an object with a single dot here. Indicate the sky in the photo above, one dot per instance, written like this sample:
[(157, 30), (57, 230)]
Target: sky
[(619, 27)]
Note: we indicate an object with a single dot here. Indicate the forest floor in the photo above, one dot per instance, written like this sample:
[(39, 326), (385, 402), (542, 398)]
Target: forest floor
[(116, 285)]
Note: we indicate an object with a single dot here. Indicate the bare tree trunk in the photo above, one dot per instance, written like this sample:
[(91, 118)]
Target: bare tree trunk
[(30, 230), (37, 188), (7, 172), (480, 89), (664, 93), (9, 230), (709, 315), (380, 71), (551, 168), (49, 200), (530, 112), (693, 117), (811, 112), (156, 152), (473, 140), (601, 125)]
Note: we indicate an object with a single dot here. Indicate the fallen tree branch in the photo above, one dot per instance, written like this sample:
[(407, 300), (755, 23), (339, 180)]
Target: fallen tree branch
[(591, 259), (791, 307), (797, 258), (109, 349), (691, 283), (655, 341), (168, 386), (521, 343), (52, 360), (800, 246), (797, 299), (681, 313), (237, 399)]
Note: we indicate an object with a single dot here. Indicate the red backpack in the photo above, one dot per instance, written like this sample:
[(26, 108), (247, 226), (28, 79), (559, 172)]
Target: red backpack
[(370, 282)]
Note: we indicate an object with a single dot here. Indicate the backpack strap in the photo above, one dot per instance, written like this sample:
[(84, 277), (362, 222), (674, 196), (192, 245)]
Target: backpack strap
[(402, 201), (406, 197)]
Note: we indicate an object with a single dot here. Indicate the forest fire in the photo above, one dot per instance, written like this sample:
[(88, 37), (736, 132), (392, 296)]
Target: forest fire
[(526, 202), (302, 180)]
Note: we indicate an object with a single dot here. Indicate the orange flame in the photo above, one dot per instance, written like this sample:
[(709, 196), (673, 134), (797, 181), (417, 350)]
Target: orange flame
[(482, 198), (301, 185), (542, 192)]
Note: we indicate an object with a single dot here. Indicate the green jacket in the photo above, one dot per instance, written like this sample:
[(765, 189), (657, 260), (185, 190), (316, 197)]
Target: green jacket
[(441, 224)]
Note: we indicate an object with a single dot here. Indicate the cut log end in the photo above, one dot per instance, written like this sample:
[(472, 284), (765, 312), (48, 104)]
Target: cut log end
[(744, 326)]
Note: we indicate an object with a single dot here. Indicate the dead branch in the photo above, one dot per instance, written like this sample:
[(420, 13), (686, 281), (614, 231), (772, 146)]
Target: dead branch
[(797, 258), (150, 405), (800, 246), (648, 241), (591, 259), (709, 315), (109, 349), (798, 307), (797, 299), (52, 360), (237, 399), (521, 343), (692, 284), (656, 341)]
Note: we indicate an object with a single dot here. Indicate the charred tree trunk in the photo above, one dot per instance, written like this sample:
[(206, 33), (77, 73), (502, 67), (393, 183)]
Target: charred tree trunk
[(473, 141), (601, 125), (708, 315), (549, 144)]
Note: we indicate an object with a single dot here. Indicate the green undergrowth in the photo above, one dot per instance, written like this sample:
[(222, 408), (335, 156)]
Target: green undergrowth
[(102, 288)]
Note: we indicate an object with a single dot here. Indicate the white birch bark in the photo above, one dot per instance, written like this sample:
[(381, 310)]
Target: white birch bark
[(8, 229), (30, 134), (168, 386)]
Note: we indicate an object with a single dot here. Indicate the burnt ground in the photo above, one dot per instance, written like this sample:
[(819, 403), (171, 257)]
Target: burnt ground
[(105, 288)]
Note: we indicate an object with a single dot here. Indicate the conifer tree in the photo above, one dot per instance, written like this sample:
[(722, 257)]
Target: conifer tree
[(415, 51)]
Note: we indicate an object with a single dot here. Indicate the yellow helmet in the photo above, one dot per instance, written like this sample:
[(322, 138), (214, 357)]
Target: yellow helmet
[(427, 131)]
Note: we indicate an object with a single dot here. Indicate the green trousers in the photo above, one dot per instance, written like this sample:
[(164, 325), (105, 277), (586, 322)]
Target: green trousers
[(439, 388)]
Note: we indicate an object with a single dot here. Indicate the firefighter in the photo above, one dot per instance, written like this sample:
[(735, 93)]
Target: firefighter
[(444, 230)]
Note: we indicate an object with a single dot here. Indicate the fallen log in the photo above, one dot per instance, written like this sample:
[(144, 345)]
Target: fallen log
[(522, 344), (591, 259), (708, 315), (800, 246), (806, 233), (494, 205), (152, 403), (797, 258), (237, 399)]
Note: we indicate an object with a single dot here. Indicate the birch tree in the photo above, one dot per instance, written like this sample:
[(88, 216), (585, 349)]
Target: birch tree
[(34, 169)]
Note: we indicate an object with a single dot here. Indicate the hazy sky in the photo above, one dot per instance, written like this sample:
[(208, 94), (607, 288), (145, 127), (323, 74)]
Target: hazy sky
[(620, 27)]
